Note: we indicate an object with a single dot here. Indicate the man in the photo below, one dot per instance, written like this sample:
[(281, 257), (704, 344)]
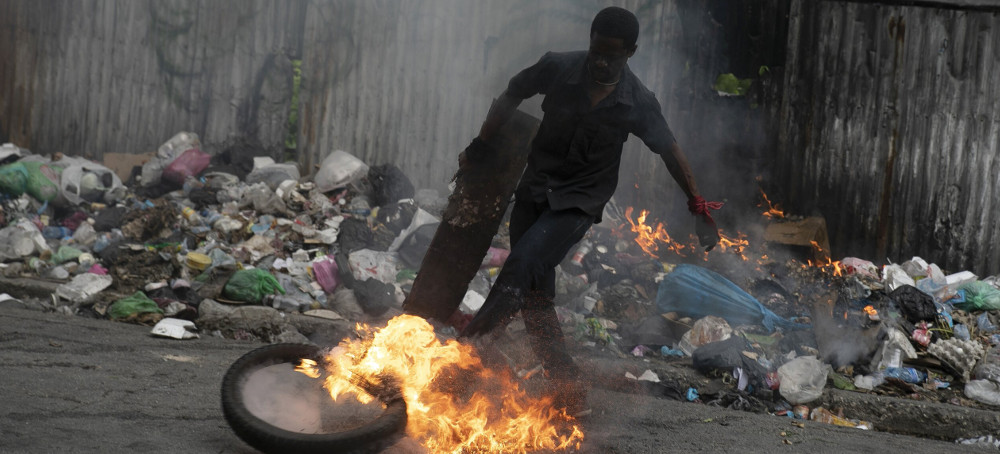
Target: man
[(592, 102)]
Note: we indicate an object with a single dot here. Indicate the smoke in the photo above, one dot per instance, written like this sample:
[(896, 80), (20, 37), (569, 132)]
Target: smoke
[(295, 402), (277, 396)]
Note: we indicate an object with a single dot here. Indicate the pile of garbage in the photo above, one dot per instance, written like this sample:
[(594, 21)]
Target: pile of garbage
[(906, 330), (226, 241), (231, 242)]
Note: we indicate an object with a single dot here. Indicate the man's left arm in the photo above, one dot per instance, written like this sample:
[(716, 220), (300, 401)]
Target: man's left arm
[(680, 170)]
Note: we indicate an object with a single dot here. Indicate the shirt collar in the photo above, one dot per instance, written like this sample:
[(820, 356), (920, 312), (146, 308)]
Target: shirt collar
[(622, 93)]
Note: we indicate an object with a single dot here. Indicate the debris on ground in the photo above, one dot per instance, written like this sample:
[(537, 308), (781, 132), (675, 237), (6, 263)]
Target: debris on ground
[(232, 243)]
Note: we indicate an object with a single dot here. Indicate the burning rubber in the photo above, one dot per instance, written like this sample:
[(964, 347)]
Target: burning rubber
[(437, 389), (263, 435)]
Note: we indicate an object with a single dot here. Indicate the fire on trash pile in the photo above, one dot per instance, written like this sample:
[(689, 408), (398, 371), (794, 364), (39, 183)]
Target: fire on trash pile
[(232, 243)]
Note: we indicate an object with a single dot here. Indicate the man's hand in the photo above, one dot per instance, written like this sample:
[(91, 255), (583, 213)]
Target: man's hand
[(476, 153), (708, 233)]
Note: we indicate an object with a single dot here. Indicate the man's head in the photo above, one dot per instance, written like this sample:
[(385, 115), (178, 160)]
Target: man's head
[(612, 41)]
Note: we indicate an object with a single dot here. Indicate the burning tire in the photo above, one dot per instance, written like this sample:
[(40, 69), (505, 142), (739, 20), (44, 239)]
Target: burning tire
[(374, 435)]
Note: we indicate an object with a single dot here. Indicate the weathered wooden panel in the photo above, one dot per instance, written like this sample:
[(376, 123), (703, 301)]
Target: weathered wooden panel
[(890, 129)]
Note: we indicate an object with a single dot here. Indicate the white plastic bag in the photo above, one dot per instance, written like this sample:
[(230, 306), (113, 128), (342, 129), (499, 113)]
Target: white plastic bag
[(266, 171), (20, 240), (802, 379), (83, 287), (170, 150), (339, 169), (366, 263)]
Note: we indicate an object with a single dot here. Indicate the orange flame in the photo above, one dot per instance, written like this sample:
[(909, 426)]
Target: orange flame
[(872, 313), (506, 419), (738, 244), (648, 237), (772, 210), (826, 264)]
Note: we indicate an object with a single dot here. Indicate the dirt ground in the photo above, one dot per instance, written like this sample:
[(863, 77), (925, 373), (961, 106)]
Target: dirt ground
[(80, 385)]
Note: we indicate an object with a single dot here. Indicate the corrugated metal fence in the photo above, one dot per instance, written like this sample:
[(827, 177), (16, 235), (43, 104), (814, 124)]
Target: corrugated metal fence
[(885, 123), (890, 129), (406, 83)]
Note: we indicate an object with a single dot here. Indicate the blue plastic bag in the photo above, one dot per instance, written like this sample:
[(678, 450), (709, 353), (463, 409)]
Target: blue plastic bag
[(693, 291)]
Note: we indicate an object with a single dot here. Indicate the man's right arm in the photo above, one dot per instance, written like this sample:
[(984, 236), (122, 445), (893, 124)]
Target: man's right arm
[(501, 111)]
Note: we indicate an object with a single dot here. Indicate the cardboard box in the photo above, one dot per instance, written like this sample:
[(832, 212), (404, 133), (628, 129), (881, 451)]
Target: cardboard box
[(809, 232), (122, 163)]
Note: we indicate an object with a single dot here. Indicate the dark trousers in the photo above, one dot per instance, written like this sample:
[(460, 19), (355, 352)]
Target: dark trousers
[(540, 239)]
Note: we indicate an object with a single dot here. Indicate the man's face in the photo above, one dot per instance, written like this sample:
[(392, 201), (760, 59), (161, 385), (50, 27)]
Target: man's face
[(606, 58)]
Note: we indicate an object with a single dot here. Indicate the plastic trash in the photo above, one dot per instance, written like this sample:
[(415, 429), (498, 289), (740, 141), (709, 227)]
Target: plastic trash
[(380, 265), (988, 367), (935, 283), (192, 216), (820, 414), (327, 274), (984, 324), (906, 374), (705, 331), (189, 163), (985, 391), (82, 181), (855, 265), (272, 174), (35, 178), (57, 272), (869, 382), (21, 239), (85, 235), (693, 291), (914, 304), (152, 170), (985, 441), (802, 379), (66, 254), (174, 328), (263, 200), (133, 306), (83, 287), (251, 285), (106, 239), (339, 169), (894, 349), (11, 151), (979, 296), (961, 331), (53, 232), (894, 276)]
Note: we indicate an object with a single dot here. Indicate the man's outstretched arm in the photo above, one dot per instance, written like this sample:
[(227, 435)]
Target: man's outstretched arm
[(680, 170)]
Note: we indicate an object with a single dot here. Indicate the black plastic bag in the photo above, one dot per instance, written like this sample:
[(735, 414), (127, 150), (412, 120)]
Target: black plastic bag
[(915, 305), (389, 184)]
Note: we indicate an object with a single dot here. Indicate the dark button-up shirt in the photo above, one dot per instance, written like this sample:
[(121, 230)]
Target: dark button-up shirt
[(576, 154)]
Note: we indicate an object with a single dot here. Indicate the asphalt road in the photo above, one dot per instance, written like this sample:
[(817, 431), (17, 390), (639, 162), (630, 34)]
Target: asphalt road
[(77, 385)]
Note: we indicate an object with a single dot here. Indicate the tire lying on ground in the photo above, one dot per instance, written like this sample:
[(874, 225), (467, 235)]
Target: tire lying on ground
[(383, 431)]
